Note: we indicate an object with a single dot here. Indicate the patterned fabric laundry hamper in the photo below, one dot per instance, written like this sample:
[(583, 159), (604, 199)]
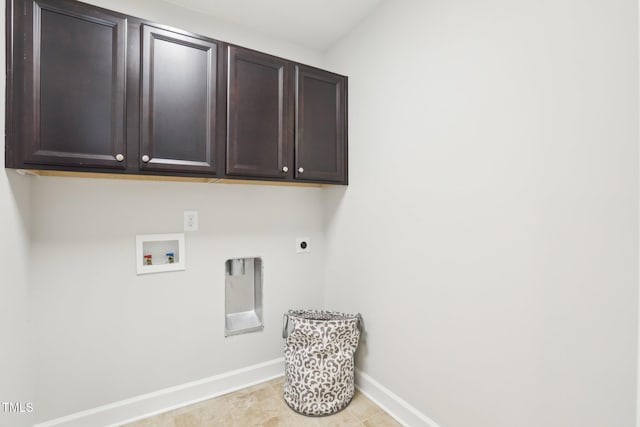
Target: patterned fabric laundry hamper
[(319, 360)]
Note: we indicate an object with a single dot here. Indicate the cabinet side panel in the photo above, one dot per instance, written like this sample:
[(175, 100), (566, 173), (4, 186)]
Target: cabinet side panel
[(10, 136)]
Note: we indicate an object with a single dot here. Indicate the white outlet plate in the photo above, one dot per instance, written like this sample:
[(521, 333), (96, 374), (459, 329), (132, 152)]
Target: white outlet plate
[(190, 220), (303, 245)]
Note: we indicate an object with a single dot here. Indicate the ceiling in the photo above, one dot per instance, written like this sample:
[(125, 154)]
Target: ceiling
[(316, 24)]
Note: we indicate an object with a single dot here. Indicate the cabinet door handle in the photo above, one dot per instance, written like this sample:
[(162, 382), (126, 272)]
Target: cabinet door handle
[(145, 158), (285, 169), (119, 157), (300, 170)]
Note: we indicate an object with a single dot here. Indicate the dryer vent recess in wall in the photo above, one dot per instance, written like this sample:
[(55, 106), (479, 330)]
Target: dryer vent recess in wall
[(243, 296)]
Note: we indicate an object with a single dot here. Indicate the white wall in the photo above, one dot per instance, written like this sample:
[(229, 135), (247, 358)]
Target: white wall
[(16, 363), (488, 235), (105, 334), (199, 23), (489, 231)]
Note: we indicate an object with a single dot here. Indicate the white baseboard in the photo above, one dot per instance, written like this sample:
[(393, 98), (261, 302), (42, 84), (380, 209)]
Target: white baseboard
[(146, 405), (391, 403)]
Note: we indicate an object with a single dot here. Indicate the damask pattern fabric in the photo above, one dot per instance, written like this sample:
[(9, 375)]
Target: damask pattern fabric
[(319, 360)]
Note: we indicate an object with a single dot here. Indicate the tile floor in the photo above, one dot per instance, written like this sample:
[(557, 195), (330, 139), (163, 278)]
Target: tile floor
[(262, 405)]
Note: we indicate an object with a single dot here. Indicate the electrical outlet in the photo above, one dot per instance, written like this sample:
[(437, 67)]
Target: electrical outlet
[(303, 245), (190, 220)]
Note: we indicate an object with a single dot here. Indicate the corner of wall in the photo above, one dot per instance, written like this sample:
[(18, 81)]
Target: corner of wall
[(18, 381)]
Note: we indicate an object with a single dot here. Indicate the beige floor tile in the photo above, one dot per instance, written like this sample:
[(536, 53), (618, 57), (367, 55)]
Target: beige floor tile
[(297, 420), (188, 419), (381, 419), (340, 419), (267, 410), (217, 416), (276, 382), (276, 421), (278, 390), (201, 413), (292, 419), (251, 397), (224, 420), (263, 406), (362, 408)]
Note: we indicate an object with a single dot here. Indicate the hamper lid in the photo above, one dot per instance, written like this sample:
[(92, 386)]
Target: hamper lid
[(322, 315)]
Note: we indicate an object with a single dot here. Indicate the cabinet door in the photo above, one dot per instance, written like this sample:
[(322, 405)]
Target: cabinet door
[(68, 85), (321, 131), (178, 102), (259, 115)]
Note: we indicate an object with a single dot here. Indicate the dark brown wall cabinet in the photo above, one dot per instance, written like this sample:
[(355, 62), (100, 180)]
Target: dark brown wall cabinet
[(321, 113), (68, 86), (259, 115), (93, 90), (178, 102), (285, 120)]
